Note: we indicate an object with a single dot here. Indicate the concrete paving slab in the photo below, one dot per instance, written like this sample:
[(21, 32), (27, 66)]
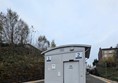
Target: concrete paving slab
[(89, 79)]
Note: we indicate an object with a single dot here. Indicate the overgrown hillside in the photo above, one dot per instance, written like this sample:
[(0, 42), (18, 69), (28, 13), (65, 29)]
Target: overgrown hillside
[(108, 72), (20, 63), (108, 67)]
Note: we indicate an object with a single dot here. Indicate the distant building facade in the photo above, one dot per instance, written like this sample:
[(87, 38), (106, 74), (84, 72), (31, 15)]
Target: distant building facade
[(107, 52)]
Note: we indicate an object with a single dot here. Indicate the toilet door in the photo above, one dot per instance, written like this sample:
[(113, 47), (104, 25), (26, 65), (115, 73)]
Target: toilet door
[(71, 72)]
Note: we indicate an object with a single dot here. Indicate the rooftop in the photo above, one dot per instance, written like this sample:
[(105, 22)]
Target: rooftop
[(87, 48)]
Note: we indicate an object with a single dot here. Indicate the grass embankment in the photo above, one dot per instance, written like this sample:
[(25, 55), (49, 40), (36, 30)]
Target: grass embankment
[(20, 64), (108, 72)]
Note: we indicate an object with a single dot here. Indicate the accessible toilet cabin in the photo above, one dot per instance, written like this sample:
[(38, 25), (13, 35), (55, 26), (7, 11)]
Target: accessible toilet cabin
[(66, 64)]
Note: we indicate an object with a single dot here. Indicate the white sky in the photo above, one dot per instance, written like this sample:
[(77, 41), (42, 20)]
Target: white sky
[(93, 22)]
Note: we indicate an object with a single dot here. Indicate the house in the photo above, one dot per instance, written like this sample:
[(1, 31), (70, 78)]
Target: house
[(107, 52)]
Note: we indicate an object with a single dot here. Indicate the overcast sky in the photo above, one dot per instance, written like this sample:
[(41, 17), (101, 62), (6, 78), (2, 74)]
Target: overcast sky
[(93, 22)]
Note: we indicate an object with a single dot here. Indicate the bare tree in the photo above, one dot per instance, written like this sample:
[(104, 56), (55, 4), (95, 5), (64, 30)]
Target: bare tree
[(0, 31), (43, 43), (21, 32), (15, 30), (1, 25), (32, 34)]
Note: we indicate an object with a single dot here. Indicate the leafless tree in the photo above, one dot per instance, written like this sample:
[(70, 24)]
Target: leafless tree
[(43, 43), (21, 32), (14, 30), (0, 30)]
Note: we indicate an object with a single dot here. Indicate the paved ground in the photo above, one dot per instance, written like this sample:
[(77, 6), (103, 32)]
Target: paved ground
[(41, 82), (90, 79)]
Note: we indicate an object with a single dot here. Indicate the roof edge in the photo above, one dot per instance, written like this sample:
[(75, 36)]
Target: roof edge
[(69, 45)]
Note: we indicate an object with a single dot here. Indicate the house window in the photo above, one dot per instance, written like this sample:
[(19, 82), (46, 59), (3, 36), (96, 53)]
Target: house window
[(110, 52)]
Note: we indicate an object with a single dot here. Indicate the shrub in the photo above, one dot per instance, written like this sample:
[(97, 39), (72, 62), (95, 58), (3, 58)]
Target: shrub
[(20, 64)]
